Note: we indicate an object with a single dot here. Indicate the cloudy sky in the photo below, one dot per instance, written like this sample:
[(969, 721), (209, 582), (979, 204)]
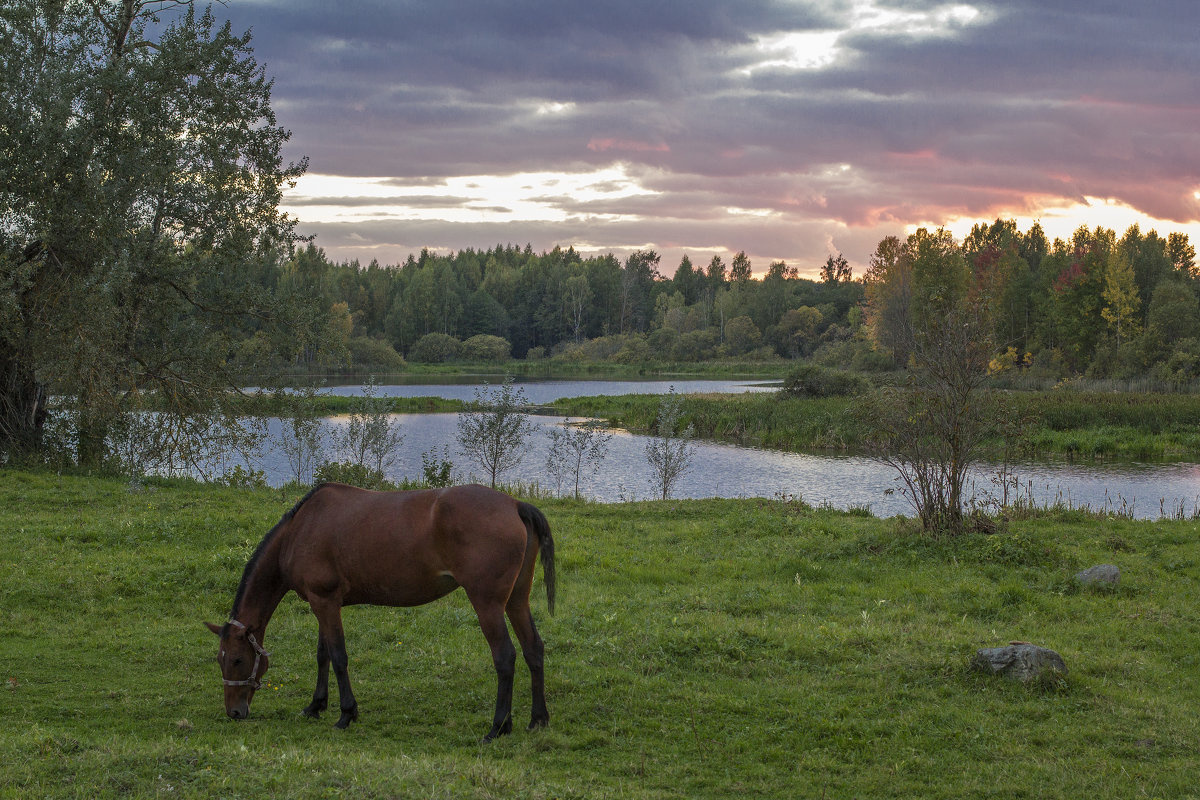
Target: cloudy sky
[(790, 129)]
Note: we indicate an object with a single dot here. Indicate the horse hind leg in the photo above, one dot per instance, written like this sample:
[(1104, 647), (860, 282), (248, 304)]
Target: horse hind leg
[(533, 649), (504, 658)]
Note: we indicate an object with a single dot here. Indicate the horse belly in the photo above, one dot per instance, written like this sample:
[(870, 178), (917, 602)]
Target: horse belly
[(400, 586)]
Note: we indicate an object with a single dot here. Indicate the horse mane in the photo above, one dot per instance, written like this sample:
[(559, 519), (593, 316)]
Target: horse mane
[(258, 551)]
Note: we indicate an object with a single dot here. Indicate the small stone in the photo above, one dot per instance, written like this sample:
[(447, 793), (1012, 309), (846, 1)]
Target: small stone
[(1101, 574), (1022, 662)]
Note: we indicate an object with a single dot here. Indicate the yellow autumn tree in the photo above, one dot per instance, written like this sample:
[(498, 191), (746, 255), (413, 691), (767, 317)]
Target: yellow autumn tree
[(1120, 296)]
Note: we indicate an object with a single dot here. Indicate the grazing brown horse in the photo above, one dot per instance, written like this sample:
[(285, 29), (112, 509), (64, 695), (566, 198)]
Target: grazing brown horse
[(342, 546)]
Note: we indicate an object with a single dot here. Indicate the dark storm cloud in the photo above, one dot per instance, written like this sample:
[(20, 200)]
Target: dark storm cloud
[(1029, 102), (412, 84)]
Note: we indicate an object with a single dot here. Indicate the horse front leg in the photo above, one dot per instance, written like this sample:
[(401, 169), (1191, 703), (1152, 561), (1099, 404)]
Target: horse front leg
[(320, 699), (333, 643), (346, 701)]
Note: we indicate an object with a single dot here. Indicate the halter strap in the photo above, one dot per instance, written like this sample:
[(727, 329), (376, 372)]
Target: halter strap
[(259, 653)]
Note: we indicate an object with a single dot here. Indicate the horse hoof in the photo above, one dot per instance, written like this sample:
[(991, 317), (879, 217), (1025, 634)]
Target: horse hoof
[(348, 716), (540, 722), (503, 730), (311, 713)]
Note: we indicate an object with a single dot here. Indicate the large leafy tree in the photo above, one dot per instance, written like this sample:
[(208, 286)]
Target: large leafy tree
[(1077, 293), (637, 288), (1120, 296), (140, 178), (888, 293)]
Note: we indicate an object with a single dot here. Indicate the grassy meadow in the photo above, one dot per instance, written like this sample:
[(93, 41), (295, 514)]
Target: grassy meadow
[(700, 649)]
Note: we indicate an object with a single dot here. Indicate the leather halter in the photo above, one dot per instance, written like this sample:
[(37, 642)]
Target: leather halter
[(259, 653)]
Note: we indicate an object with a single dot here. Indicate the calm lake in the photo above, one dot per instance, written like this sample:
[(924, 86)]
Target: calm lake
[(720, 470)]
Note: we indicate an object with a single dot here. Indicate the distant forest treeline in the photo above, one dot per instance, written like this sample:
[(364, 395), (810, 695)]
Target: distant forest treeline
[(561, 303), (1099, 304)]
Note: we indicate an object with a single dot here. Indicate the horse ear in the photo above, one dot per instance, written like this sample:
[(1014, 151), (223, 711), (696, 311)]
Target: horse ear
[(215, 628)]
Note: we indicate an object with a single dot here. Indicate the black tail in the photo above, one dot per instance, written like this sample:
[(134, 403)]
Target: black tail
[(536, 524)]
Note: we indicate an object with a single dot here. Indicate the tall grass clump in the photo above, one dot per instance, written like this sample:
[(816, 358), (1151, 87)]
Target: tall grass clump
[(812, 380)]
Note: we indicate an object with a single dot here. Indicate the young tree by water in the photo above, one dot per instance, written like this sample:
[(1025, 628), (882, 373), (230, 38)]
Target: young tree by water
[(302, 436), (493, 430), (574, 448), (931, 429), (671, 450), (371, 438)]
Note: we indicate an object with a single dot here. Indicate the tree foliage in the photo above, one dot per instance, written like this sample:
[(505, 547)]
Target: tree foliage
[(836, 269), (370, 437), (140, 177), (1120, 296)]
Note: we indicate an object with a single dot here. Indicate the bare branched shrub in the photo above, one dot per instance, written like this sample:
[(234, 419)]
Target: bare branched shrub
[(574, 449), (370, 438), (931, 429), (301, 439)]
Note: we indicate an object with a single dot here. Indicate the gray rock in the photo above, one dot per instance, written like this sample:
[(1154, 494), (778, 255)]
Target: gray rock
[(1020, 661), (1102, 574)]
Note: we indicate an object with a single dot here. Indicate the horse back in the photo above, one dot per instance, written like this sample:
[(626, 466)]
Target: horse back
[(402, 548)]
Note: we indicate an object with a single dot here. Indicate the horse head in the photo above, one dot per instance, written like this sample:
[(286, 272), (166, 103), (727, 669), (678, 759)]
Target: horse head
[(243, 663)]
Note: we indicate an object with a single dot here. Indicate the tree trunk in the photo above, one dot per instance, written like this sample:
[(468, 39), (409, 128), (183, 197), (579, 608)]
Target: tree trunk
[(22, 406), (93, 439)]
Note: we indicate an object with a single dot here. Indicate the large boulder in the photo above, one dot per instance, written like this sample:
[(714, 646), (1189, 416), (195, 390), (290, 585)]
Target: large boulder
[(1020, 661), (1099, 575)]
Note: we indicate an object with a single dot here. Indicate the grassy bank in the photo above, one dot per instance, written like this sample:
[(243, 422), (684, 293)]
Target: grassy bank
[(701, 649), (1076, 424), (330, 405)]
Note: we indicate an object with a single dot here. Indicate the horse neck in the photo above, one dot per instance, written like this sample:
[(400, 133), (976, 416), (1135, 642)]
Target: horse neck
[(264, 589)]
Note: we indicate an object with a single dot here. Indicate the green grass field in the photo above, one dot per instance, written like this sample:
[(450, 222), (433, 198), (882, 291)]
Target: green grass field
[(724, 648)]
